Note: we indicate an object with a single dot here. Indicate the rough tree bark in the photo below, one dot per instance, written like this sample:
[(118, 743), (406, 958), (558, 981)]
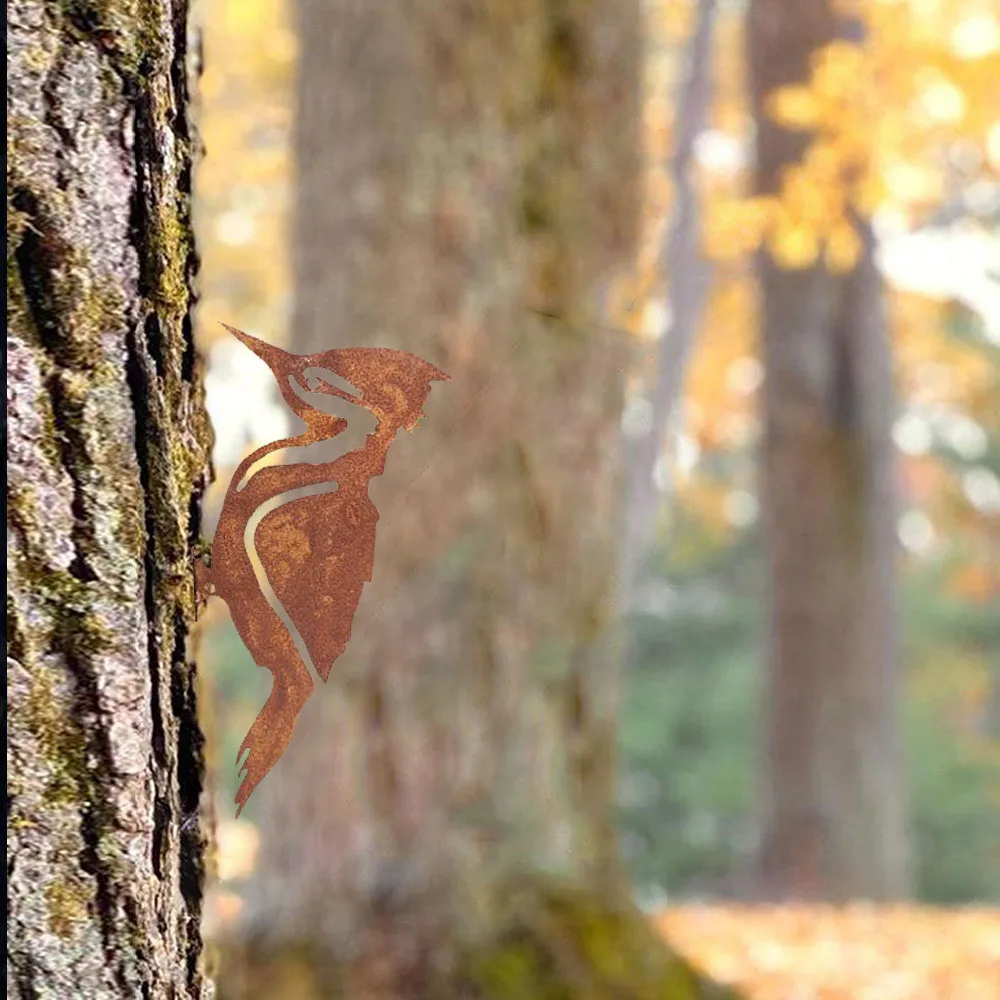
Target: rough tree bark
[(834, 817), (107, 455), (461, 164)]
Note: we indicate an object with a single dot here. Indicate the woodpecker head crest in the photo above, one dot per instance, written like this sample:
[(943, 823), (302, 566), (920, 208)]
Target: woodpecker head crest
[(393, 385)]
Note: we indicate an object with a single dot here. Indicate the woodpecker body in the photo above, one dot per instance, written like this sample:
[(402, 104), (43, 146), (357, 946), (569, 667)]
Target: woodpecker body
[(314, 552)]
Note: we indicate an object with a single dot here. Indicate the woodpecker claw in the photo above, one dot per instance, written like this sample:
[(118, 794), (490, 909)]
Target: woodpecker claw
[(204, 586)]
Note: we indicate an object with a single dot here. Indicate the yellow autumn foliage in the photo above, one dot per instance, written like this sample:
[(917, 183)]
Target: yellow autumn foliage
[(796, 107), (880, 116), (843, 247)]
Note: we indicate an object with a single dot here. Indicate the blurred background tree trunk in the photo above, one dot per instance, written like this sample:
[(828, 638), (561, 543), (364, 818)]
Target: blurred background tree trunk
[(687, 276), (834, 810), (107, 453), (461, 165)]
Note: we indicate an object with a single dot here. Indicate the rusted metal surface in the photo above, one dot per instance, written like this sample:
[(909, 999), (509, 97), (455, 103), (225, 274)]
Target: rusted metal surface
[(316, 549)]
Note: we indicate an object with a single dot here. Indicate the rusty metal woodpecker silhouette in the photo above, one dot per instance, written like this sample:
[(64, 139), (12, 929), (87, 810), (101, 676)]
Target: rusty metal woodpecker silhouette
[(314, 547)]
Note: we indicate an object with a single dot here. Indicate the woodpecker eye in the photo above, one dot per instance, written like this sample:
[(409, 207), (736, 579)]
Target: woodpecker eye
[(317, 377)]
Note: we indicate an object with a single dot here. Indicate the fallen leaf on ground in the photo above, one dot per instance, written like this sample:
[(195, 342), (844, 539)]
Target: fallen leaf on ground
[(849, 953)]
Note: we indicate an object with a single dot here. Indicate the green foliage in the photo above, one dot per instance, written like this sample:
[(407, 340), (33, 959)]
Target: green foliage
[(687, 782), (956, 814), (688, 735)]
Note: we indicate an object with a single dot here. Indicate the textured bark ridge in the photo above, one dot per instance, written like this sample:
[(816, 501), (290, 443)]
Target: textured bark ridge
[(107, 449)]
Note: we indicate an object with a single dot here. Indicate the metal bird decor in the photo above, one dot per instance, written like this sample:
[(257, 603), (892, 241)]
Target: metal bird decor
[(315, 543)]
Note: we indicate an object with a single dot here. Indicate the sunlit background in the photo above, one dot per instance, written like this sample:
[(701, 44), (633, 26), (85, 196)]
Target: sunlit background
[(926, 108)]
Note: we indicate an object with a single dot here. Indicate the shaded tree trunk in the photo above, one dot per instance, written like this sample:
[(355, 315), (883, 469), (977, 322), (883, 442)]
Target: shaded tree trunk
[(834, 818), (107, 455), (460, 165), (687, 280)]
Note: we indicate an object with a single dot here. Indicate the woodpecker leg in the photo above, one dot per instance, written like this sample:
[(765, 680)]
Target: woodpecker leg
[(204, 585)]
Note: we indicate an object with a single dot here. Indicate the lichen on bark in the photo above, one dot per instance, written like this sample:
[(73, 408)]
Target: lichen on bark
[(107, 451)]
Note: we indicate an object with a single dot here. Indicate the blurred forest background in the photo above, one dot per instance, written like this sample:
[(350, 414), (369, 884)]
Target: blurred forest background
[(905, 132)]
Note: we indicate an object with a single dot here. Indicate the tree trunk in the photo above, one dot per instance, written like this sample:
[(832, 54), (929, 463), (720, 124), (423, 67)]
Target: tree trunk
[(460, 165), (687, 274), (834, 817), (107, 454)]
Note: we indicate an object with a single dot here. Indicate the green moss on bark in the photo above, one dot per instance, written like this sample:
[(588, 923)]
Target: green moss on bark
[(129, 28), (562, 942), (170, 245), (67, 904), (546, 941), (62, 743)]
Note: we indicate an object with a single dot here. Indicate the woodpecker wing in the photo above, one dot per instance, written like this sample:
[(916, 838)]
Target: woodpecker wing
[(318, 553)]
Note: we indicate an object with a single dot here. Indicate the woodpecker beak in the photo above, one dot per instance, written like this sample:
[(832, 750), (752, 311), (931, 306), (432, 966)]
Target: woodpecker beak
[(286, 369), (280, 362)]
